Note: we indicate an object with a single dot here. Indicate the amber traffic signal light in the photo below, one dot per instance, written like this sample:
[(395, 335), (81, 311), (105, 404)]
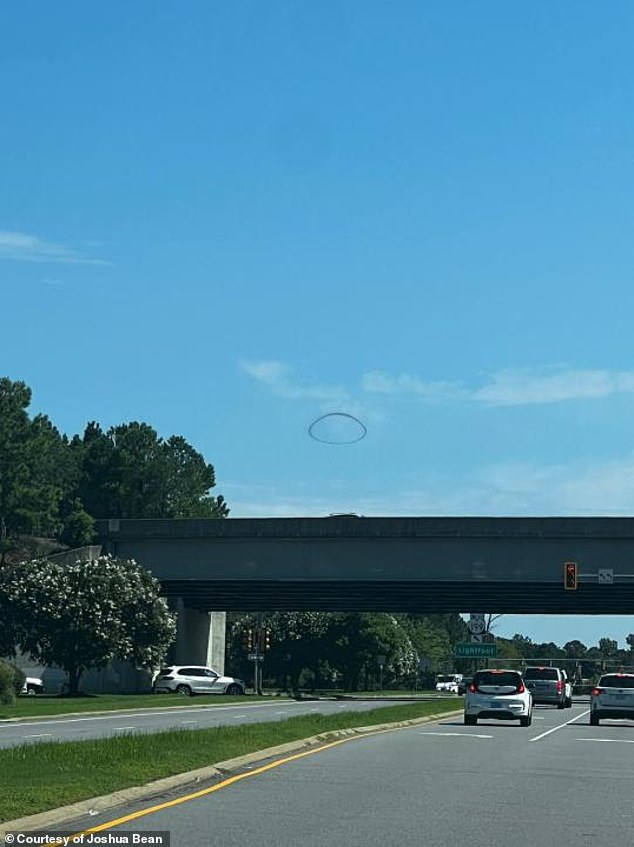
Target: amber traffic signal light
[(570, 576)]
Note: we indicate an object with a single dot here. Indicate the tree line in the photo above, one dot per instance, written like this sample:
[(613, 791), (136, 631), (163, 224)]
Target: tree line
[(54, 486), (360, 651)]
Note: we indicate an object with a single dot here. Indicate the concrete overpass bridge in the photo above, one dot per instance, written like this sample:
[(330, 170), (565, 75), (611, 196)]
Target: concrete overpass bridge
[(348, 563)]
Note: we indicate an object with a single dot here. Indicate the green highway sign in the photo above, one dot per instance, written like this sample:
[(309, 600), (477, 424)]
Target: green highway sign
[(475, 651)]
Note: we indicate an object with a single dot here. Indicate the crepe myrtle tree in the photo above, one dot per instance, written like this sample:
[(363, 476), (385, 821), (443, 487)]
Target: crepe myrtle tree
[(83, 615)]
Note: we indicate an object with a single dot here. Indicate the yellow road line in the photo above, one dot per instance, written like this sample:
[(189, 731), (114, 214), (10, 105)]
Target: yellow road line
[(224, 784)]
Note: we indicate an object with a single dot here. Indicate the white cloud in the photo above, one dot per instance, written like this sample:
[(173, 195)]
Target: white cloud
[(521, 388), (19, 246), (276, 376), (377, 382), (510, 387), (511, 490)]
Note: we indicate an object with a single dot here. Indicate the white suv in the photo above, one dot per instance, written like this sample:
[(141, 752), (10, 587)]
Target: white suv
[(196, 679), (500, 695), (448, 682), (613, 697)]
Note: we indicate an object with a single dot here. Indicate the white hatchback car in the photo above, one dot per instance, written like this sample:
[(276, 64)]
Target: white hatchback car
[(500, 695), (196, 679), (613, 697)]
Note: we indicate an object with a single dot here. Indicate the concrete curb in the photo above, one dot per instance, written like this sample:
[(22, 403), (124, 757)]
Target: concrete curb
[(158, 709), (94, 805)]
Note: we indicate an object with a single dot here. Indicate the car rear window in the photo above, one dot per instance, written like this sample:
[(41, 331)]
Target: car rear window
[(492, 678), (541, 673), (616, 681), (165, 671)]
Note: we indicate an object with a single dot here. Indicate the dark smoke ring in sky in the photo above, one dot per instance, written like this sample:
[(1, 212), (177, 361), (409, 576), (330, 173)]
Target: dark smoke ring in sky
[(358, 430)]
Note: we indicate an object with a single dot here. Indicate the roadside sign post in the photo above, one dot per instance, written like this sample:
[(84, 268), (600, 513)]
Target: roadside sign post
[(477, 628), (381, 661)]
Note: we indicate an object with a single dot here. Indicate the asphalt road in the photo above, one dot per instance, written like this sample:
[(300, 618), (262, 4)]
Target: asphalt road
[(82, 727), (559, 782)]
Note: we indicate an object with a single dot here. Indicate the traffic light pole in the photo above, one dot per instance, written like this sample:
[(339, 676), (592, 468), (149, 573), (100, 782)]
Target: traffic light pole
[(258, 654)]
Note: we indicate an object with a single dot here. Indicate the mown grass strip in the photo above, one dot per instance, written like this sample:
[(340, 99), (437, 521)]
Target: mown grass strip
[(37, 777), (40, 705)]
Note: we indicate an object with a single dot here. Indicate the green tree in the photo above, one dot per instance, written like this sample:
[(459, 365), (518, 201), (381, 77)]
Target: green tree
[(575, 649), (356, 640), (36, 469), (431, 641), (506, 649), (84, 615), (78, 527), (130, 472), (15, 472)]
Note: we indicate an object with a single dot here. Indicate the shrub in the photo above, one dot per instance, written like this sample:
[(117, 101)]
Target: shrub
[(9, 680)]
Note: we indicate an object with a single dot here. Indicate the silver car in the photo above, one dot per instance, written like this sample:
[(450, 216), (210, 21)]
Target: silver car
[(196, 679), (549, 686), (613, 697)]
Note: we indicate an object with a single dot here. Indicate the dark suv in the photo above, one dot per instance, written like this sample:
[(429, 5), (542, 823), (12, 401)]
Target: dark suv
[(549, 686)]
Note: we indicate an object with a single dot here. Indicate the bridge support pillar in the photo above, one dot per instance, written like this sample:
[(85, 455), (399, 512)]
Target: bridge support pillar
[(200, 637)]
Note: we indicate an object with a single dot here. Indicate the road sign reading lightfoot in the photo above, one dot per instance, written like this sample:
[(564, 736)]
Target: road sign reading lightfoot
[(475, 651)]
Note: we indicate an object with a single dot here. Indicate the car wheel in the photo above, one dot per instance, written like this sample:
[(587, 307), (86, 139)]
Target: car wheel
[(30, 690), (470, 720), (234, 689), (594, 720), (526, 720), (184, 689)]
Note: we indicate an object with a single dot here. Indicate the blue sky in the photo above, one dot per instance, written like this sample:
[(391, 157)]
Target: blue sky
[(229, 219)]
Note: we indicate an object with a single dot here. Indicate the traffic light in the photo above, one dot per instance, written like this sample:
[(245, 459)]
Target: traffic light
[(247, 640), (265, 640), (570, 576)]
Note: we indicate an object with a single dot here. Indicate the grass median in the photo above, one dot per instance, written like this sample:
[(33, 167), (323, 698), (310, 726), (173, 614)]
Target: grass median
[(37, 777), (45, 705)]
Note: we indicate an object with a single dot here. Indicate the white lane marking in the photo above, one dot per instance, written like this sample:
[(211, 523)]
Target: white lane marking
[(456, 734), (186, 722), (313, 710), (237, 717), (535, 718), (39, 735), (280, 713), (160, 710), (122, 728), (608, 740), (560, 726)]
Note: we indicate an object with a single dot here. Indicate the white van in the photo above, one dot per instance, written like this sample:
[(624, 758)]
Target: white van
[(448, 682)]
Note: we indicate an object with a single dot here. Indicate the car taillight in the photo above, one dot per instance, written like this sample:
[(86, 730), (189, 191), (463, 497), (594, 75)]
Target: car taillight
[(521, 688), (560, 686), (596, 691), (472, 688)]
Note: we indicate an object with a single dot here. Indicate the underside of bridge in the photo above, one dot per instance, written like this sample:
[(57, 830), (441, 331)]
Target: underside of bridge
[(424, 597)]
